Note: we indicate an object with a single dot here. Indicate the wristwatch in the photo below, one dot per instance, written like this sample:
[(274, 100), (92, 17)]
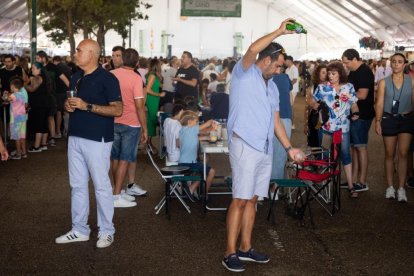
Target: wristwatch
[(288, 148), (89, 107)]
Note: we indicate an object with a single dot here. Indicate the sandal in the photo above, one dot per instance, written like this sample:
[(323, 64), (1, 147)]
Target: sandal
[(352, 193)]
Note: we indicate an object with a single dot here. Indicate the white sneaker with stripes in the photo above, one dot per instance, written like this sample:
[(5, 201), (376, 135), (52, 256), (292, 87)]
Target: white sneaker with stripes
[(104, 240), (72, 236)]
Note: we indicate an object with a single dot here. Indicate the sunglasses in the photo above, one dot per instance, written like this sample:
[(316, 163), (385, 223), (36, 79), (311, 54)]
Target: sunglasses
[(282, 50), (337, 104), (78, 84)]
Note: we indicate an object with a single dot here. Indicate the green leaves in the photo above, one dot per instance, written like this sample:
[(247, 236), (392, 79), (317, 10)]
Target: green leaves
[(64, 18)]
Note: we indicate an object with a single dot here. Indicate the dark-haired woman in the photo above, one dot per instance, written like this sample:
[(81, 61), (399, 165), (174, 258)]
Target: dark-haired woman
[(395, 122), (319, 76), (39, 95), (341, 99)]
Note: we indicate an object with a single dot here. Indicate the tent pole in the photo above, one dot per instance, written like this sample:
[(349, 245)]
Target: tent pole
[(33, 41)]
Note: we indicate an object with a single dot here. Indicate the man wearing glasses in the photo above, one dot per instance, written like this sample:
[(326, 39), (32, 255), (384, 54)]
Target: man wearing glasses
[(91, 133), (253, 121)]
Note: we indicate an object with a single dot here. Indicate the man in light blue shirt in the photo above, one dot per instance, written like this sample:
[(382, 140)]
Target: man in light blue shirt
[(253, 121)]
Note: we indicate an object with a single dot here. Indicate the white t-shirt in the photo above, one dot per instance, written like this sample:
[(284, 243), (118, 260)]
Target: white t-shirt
[(212, 86), (293, 73), (171, 133)]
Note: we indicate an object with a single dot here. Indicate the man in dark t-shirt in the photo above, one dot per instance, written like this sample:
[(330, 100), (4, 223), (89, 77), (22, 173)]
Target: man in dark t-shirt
[(363, 80), (61, 89), (187, 78), (9, 71), (54, 75)]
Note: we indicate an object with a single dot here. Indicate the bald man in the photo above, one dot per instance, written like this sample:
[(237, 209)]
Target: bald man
[(91, 133)]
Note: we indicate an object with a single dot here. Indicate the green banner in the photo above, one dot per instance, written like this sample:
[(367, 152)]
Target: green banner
[(211, 8)]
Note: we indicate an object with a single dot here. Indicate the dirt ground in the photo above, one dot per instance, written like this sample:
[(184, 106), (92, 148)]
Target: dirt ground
[(369, 236)]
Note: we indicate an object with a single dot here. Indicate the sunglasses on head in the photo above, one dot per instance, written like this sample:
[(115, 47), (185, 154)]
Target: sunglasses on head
[(282, 50)]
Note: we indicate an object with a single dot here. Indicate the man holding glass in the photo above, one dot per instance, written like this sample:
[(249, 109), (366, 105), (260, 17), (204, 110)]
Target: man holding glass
[(91, 133), (253, 121)]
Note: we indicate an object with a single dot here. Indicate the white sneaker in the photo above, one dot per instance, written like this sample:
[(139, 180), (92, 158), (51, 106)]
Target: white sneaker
[(120, 202), (136, 190), (402, 197), (72, 236), (104, 241), (390, 193), (127, 196)]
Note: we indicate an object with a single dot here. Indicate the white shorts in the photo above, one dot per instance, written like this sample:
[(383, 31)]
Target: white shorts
[(251, 170)]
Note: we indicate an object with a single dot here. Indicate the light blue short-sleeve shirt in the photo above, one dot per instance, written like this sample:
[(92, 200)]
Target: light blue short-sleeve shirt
[(252, 107), (188, 144)]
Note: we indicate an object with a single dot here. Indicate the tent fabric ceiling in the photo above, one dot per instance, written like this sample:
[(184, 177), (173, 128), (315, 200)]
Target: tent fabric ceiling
[(14, 20), (332, 22)]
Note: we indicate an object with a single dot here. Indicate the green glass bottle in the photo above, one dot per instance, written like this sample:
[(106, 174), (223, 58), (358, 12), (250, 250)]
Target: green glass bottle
[(297, 27)]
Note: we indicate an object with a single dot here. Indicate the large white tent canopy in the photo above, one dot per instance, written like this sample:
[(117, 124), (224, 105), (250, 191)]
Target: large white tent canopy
[(333, 25)]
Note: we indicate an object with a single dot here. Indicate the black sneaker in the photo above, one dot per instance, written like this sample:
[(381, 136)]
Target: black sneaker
[(33, 149), (232, 263), (252, 256), (187, 191), (359, 187)]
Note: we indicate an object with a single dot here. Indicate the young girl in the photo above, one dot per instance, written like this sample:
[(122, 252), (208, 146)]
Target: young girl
[(18, 117), (188, 144)]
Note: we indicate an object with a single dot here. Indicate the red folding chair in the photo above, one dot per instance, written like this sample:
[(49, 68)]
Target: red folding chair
[(317, 178)]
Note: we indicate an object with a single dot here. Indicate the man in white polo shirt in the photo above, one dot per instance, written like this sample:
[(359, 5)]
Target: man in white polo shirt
[(253, 121)]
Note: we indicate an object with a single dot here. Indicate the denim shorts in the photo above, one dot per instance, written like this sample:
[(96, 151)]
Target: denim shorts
[(359, 132), (126, 140), (345, 147), (196, 167)]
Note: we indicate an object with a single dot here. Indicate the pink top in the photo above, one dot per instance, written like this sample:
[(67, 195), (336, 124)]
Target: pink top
[(131, 89)]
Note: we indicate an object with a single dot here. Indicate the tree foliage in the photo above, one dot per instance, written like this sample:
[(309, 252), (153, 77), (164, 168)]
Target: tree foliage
[(65, 18)]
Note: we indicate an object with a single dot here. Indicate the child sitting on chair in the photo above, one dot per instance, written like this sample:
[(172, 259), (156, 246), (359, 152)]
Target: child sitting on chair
[(188, 144), (172, 127)]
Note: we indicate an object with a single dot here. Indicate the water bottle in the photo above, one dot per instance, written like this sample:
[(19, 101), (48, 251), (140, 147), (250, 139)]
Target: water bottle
[(297, 27)]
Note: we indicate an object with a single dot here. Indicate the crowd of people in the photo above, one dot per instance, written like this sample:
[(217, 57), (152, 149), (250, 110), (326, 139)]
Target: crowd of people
[(117, 102)]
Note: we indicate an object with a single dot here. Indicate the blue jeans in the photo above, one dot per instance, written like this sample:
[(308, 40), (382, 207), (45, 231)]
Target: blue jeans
[(126, 140), (87, 157), (279, 153)]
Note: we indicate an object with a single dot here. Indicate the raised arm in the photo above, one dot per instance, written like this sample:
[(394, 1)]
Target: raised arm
[(250, 57), (34, 84)]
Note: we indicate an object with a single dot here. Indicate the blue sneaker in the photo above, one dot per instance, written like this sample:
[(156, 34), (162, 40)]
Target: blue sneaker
[(359, 187), (232, 263), (252, 256)]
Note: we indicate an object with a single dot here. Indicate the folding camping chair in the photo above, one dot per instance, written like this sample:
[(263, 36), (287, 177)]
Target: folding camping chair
[(173, 176), (318, 177)]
